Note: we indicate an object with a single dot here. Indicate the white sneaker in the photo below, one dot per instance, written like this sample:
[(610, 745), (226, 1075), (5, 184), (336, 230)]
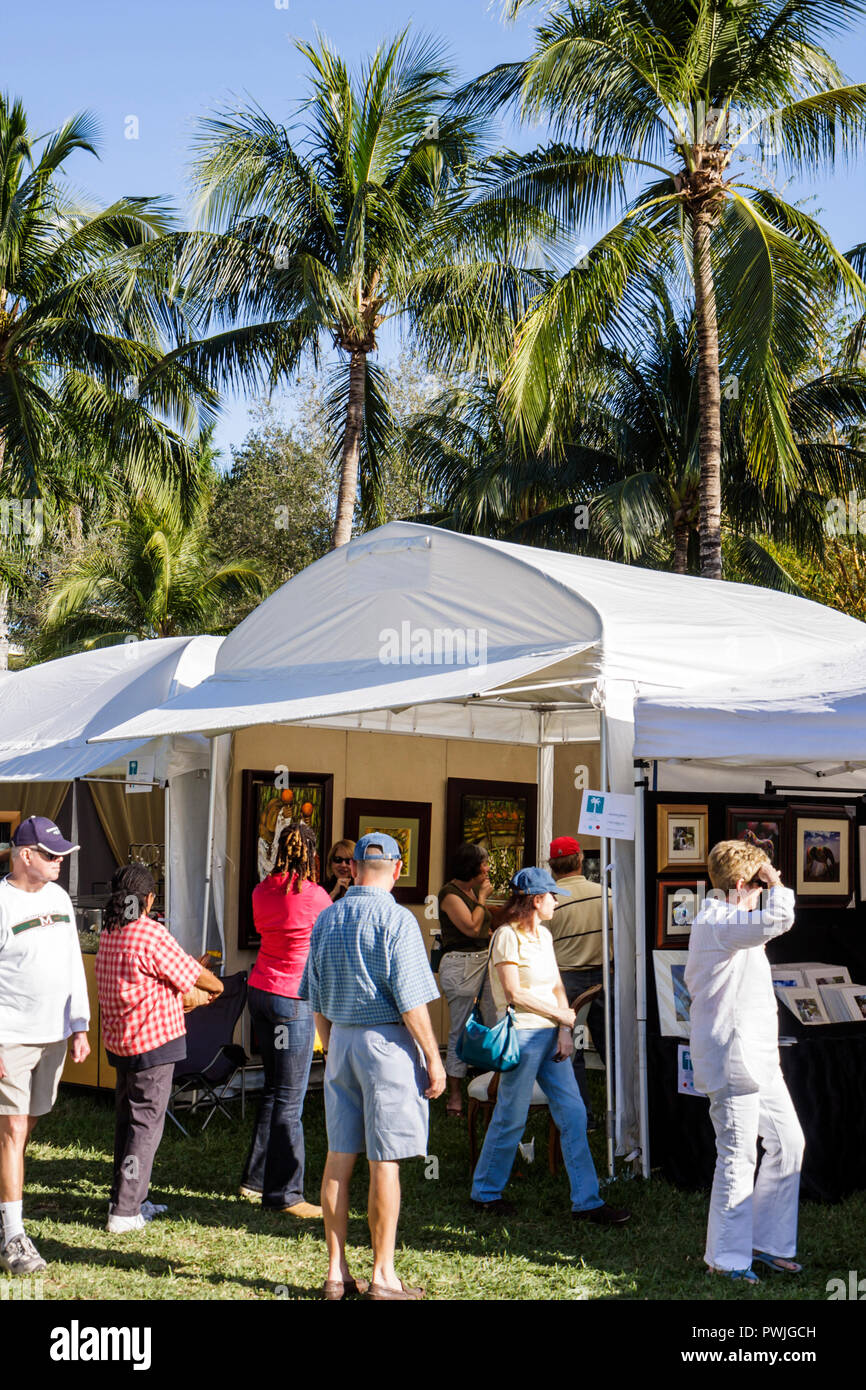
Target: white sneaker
[(20, 1256), (119, 1225), (151, 1209)]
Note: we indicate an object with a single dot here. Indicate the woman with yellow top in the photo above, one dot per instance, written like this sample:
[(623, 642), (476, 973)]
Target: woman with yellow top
[(525, 978)]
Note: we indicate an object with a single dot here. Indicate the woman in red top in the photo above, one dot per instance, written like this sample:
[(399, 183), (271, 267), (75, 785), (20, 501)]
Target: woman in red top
[(142, 975), (285, 906)]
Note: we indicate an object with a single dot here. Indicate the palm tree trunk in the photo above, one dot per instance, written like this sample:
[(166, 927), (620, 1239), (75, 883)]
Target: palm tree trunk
[(681, 548), (4, 591), (709, 400), (350, 455)]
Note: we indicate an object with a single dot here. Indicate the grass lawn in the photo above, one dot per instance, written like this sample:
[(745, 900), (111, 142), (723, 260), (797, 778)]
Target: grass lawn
[(213, 1244)]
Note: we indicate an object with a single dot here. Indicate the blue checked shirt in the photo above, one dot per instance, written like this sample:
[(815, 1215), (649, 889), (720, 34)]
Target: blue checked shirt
[(367, 962)]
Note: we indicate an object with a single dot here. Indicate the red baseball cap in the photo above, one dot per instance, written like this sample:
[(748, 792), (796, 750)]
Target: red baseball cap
[(562, 846)]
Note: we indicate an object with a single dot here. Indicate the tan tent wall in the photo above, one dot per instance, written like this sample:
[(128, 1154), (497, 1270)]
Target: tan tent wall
[(390, 766)]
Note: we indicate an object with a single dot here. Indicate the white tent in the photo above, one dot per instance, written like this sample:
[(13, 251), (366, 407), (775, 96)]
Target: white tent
[(48, 712), (416, 629)]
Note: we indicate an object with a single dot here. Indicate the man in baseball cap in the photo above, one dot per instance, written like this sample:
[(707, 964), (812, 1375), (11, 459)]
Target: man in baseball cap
[(43, 1003), (576, 930), (369, 982)]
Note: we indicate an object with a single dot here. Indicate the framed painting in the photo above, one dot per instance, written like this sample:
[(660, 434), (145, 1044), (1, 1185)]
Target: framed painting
[(682, 838), (501, 816), (678, 901), (9, 823), (408, 822), (672, 996), (766, 829), (822, 859), (269, 802)]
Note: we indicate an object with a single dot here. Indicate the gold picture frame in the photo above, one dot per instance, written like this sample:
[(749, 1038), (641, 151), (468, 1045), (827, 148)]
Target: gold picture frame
[(682, 838)]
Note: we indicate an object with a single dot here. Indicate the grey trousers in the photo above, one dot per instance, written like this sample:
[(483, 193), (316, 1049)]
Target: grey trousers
[(141, 1100)]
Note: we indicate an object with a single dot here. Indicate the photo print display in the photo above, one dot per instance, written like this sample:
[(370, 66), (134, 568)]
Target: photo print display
[(822, 858), (671, 993), (765, 829), (407, 822), (678, 902), (682, 838)]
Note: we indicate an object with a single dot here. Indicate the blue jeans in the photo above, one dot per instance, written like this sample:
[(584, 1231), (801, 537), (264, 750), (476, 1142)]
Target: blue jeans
[(285, 1029), (556, 1079), (575, 982)]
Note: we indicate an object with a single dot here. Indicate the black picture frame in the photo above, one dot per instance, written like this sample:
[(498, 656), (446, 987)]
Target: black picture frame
[(359, 817), (255, 784), (461, 825)]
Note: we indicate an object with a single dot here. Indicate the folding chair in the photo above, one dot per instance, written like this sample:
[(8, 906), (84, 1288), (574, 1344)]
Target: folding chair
[(212, 1059)]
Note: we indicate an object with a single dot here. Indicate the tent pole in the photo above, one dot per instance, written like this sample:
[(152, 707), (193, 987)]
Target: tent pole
[(208, 867), (74, 871), (166, 855), (544, 778), (605, 960), (640, 968)]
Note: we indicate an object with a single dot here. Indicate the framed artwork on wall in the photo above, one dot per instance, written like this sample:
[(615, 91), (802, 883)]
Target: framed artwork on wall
[(268, 804), (501, 816), (678, 901), (671, 993), (822, 860), (408, 822), (682, 838), (766, 828)]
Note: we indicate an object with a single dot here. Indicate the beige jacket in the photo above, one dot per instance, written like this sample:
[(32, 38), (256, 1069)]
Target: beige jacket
[(576, 924)]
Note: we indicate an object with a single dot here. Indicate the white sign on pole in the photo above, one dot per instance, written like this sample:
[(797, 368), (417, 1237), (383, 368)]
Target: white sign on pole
[(607, 814), (139, 774)]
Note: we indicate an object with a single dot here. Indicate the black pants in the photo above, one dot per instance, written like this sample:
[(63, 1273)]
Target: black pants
[(575, 982), (141, 1100)]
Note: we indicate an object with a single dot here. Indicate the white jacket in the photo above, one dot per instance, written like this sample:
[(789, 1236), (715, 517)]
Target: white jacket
[(734, 1019)]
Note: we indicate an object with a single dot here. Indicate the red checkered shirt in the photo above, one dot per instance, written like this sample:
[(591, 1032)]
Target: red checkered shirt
[(142, 975)]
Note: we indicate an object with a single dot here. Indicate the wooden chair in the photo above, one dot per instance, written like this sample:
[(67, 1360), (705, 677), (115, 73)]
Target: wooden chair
[(481, 1104)]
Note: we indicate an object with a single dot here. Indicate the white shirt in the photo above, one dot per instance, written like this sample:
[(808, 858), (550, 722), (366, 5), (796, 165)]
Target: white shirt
[(43, 989), (734, 1019)]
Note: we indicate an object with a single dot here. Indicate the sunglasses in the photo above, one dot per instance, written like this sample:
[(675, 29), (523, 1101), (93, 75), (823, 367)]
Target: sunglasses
[(43, 854), (336, 860)]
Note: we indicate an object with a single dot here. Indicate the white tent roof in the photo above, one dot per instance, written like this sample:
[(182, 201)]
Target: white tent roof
[(48, 712), (801, 716), (357, 631)]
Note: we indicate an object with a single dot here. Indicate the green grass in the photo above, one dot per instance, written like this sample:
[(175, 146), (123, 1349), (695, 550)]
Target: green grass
[(213, 1244)]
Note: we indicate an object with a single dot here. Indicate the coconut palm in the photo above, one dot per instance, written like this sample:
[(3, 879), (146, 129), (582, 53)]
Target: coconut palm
[(627, 487), (146, 573), (657, 108), (315, 236)]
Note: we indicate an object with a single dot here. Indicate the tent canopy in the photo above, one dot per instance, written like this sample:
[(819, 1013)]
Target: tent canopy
[(48, 712), (811, 717), (413, 615)]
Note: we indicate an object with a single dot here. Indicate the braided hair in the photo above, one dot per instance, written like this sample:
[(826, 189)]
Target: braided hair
[(296, 855), (131, 886)]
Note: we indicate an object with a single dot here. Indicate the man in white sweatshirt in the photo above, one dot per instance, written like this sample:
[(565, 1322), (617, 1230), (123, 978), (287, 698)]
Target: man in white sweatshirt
[(735, 1053), (43, 1003)]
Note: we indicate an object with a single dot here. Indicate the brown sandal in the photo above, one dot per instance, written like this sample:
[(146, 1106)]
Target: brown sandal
[(379, 1293)]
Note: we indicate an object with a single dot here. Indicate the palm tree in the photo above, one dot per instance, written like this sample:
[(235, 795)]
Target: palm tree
[(632, 471), (146, 573), (370, 212), (653, 105), (85, 320)]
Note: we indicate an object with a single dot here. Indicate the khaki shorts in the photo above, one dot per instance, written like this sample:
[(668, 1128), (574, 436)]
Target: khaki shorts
[(32, 1077)]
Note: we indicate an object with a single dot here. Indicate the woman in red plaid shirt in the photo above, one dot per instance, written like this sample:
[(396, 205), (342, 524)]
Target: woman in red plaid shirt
[(142, 975)]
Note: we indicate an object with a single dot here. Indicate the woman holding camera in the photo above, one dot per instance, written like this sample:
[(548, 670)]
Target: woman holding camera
[(524, 977)]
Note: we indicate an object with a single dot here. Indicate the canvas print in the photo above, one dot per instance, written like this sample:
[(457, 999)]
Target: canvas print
[(407, 822), (765, 829), (682, 837), (501, 816), (268, 804)]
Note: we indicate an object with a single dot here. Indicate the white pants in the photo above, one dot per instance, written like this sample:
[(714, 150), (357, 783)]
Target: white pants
[(460, 975), (746, 1212)]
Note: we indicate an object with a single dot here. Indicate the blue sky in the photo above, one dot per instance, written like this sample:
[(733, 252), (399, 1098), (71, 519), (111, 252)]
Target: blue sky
[(168, 63)]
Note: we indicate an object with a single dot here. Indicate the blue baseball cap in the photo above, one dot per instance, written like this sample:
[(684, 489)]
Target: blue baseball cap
[(537, 881), (386, 845), (38, 832)]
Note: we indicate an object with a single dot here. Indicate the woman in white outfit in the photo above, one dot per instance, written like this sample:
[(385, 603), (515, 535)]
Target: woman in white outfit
[(735, 1054)]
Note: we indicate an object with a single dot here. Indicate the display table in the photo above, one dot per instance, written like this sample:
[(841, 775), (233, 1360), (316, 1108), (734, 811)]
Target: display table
[(97, 1071), (825, 1070)]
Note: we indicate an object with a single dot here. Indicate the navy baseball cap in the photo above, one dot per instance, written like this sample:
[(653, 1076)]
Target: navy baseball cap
[(385, 844), (537, 881), (38, 832)]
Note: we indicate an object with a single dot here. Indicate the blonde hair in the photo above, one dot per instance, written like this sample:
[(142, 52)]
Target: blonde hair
[(347, 847), (732, 860)]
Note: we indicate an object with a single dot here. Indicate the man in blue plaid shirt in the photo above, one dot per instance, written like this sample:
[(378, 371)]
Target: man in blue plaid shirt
[(369, 982)]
